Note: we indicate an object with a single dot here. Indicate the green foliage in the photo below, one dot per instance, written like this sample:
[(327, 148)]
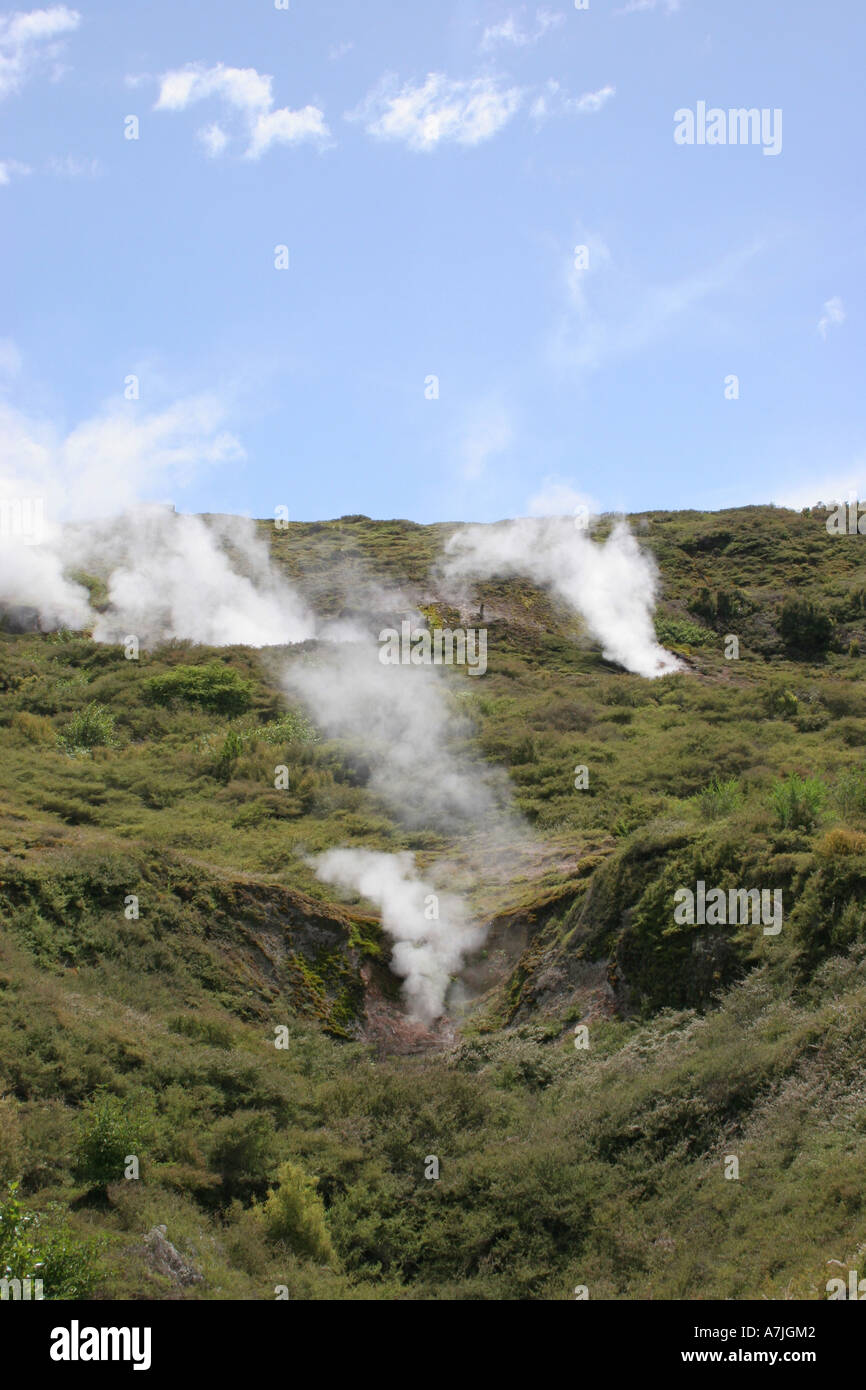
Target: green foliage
[(18, 1257), (780, 703), (108, 1135), (229, 753), (67, 1267), (210, 1031), (798, 801), (805, 628), (293, 1214), (242, 1152), (703, 1041), (849, 794), (720, 798), (91, 727), (215, 687), (679, 632)]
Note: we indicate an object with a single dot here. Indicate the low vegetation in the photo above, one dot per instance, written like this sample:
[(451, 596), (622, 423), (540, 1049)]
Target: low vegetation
[(177, 988)]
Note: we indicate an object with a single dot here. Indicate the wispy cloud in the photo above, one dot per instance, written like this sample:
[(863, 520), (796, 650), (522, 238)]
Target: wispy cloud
[(11, 168), (110, 460), (68, 167), (246, 95), (834, 313), (558, 497), (27, 42), (438, 110), (611, 316), (467, 111), (842, 485), (510, 30), (488, 432), (214, 139), (340, 50), (635, 6), (552, 101)]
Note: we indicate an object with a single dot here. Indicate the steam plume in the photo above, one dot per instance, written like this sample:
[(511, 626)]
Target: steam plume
[(429, 949), (611, 585)]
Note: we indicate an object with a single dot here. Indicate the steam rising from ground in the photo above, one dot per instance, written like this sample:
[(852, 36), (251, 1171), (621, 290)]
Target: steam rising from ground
[(179, 576), (167, 576), (407, 726), (149, 572), (416, 741), (432, 931), (611, 585)]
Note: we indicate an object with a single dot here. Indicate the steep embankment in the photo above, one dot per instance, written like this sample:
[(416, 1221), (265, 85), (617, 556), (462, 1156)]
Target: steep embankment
[(155, 1036)]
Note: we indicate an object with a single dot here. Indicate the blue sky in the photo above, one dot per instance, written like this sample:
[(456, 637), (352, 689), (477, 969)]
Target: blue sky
[(431, 169)]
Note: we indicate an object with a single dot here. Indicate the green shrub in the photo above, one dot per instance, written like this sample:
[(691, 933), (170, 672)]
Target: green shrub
[(69, 1268), (293, 1214), (108, 1135), (849, 793), (91, 727), (292, 727), (65, 1266), (18, 1258), (780, 703), (36, 728), (242, 1152), (804, 628), (233, 746), (214, 687), (798, 801), (207, 1030), (720, 798), (679, 632)]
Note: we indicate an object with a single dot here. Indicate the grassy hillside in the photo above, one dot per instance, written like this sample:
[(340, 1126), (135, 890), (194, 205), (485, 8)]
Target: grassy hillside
[(177, 986)]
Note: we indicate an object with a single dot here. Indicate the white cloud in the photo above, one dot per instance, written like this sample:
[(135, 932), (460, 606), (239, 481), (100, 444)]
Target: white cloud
[(509, 31), (841, 486), (247, 93), (552, 101), (214, 139), (340, 50), (10, 168), (557, 497), (488, 432), (834, 313), (591, 101), (26, 41), (109, 461), (440, 109), (284, 127)]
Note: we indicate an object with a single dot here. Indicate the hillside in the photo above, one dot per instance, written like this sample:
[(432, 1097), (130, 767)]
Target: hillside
[(178, 984)]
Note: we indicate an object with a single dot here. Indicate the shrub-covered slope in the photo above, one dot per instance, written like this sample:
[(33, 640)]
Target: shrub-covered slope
[(177, 988)]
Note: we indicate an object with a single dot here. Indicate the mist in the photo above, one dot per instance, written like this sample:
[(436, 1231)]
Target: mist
[(431, 930), (166, 575), (612, 585), (418, 744)]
